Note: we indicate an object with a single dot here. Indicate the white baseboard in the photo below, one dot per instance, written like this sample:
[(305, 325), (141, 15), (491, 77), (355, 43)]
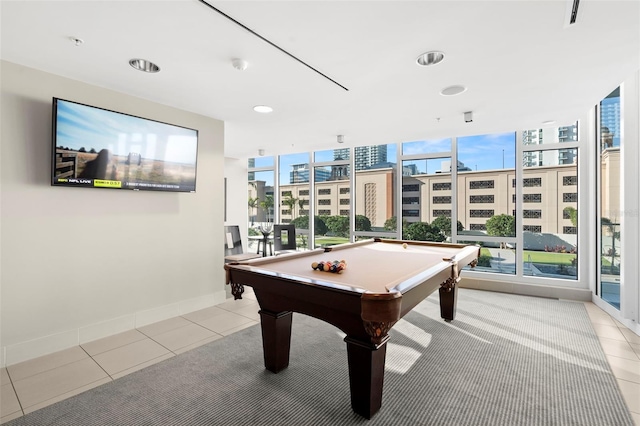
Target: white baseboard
[(106, 328), (565, 293), (30, 349), (45, 345)]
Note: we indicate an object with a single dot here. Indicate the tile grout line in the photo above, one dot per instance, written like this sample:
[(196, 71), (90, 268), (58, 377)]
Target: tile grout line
[(13, 386), (70, 391), (96, 362)]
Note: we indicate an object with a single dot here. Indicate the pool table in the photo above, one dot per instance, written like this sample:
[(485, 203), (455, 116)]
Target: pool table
[(383, 281)]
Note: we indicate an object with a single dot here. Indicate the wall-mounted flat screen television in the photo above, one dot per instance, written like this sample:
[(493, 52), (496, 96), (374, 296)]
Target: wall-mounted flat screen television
[(97, 148)]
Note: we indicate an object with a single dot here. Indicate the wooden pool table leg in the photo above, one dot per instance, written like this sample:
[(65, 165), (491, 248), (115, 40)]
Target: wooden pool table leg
[(276, 339), (448, 302), (366, 374)]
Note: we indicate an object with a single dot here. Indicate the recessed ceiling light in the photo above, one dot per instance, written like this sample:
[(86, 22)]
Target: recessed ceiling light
[(453, 90), (548, 122), (239, 64), (144, 65), (263, 109), (430, 58)]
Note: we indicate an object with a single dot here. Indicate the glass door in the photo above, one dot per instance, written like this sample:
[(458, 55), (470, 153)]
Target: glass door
[(609, 143)]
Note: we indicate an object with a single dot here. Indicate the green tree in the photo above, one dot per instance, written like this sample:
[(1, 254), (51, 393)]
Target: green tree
[(339, 225), (302, 222), (253, 204), (573, 215), (362, 223), (502, 225), (267, 205), (444, 225), (421, 231), (615, 235), (391, 224), (291, 203)]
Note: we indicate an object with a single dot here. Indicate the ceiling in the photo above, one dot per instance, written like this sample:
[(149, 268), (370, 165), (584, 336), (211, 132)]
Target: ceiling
[(521, 61)]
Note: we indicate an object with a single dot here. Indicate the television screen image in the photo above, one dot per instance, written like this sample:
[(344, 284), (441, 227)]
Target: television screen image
[(98, 148)]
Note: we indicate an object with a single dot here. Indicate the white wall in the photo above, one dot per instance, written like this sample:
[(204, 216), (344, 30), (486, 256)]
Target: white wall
[(79, 264)]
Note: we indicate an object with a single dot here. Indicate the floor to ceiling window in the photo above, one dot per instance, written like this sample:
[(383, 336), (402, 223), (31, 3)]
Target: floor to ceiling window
[(550, 202), (331, 188), (426, 189), (486, 201), (373, 192), (261, 199), (294, 186), (609, 143)]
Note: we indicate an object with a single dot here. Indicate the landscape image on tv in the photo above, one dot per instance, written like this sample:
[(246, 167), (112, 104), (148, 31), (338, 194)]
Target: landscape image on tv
[(95, 147)]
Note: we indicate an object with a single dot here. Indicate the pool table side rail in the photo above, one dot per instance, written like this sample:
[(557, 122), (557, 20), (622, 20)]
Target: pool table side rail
[(294, 279), (396, 242), (467, 255), (421, 243)]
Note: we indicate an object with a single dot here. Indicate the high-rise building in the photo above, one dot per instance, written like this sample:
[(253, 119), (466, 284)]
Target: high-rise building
[(610, 118), (300, 173), (365, 156), (551, 135), (252, 163), (445, 167), (341, 154)]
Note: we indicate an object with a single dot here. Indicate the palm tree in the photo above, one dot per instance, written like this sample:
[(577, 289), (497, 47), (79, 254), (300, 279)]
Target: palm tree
[(615, 235), (267, 205), (291, 203), (301, 204), (253, 204)]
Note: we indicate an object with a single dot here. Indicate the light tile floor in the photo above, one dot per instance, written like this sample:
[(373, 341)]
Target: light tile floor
[(36, 383)]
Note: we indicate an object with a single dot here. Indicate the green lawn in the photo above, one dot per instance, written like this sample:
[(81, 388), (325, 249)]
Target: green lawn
[(330, 241), (548, 258), (485, 252)]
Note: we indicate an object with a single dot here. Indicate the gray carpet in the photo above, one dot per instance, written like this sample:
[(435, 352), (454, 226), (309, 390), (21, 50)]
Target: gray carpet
[(505, 360)]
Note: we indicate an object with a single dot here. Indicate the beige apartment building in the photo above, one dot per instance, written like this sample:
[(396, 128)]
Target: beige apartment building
[(481, 195), (610, 184), (546, 192)]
